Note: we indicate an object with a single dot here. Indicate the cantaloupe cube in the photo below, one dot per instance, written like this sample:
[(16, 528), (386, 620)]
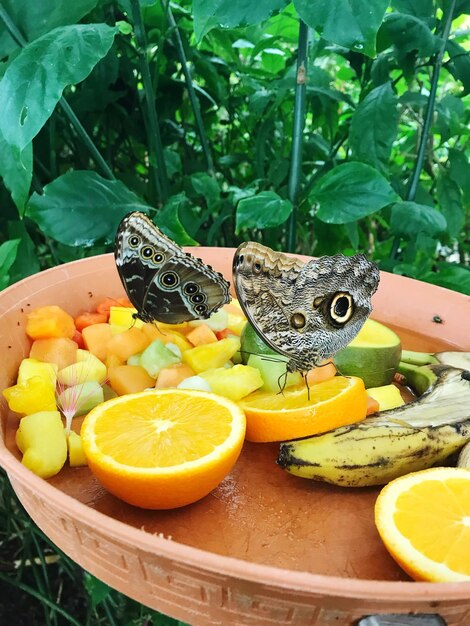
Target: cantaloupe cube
[(61, 351), (77, 456), (235, 382), (29, 368), (129, 379), (96, 339), (130, 342), (200, 335), (172, 376), (321, 373), (113, 361), (211, 355), (46, 322)]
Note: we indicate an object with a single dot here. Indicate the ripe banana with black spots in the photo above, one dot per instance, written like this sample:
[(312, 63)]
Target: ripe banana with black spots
[(393, 443)]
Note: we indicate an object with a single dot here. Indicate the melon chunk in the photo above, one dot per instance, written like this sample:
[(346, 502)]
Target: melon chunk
[(211, 355), (235, 382)]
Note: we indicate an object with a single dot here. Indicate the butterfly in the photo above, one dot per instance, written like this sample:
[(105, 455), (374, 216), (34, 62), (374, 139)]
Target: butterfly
[(304, 311), (163, 282)]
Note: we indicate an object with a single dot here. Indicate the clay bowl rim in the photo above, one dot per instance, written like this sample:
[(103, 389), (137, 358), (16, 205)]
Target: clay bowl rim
[(306, 582)]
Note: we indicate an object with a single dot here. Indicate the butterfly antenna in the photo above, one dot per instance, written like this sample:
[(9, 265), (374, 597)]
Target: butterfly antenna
[(264, 357)]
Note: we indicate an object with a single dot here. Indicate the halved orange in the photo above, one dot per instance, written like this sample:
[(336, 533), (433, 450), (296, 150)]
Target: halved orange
[(292, 414), (163, 448), (423, 519)]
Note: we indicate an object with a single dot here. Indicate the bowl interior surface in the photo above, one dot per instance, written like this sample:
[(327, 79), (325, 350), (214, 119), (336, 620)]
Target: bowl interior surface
[(259, 513)]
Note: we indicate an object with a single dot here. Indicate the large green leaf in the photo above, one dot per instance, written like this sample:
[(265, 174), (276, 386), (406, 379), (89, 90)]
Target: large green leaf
[(8, 252), (33, 18), (264, 210), (451, 276), (228, 14), (81, 208), (374, 127), (16, 170), (29, 89), (351, 191), (169, 221), (27, 261), (459, 64), (349, 23), (449, 197), (419, 8), (409, 33), (409, 219)]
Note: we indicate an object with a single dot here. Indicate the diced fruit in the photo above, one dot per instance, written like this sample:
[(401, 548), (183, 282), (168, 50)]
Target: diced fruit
[(88, 368), (167, 335), (217, 321), (173, 375), (372, 406), (29, 368), (236, 324), (321, 373), (123, 318), (274, 373), (200, 335), (127, 343), (80, 399), (88, 319), (211, 355), (113, 361), (34, 395), (134, 445), (373, 355), (134, 359), (388, 396), (234, 383), (234, 308), (77, 456), (157, 356), (78, 338), (196, 383), (251, 343), (182, 327), (61, 351), (293, 414), (96, 339), (129, 379), (105, 305), (41, 438), (49, 321)]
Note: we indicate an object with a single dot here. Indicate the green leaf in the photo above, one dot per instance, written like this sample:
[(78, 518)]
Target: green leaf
[(408, 219), (16, 170), (349, 23), (30, 90), (351, 191), (460, 169), (81, 208), (459, 64), (264, 210), (168, 220), (409, 33), (449, 198), (207, 187), (34, 19), (374, 127), (228, 14), (96, 589), (8, 252), (27, 261), (419, 8), (451, 276)]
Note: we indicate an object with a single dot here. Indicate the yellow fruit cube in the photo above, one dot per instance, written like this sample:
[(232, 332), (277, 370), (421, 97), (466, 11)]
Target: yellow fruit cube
[(234, 383), (236, 324), (30, 368), (121, 317), (388, 396), (33, 395), (88, 368), (77, 457), (41, 438), (211, 355)]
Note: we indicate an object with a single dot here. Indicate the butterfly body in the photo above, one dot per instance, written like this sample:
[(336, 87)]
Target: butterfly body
[(163, 282), (305, 311)]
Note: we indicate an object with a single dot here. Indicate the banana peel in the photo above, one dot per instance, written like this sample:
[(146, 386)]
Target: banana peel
[(392, 443), (414, 367)]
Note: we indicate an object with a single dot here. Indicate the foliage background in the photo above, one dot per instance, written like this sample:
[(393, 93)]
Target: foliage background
[(315, 126)]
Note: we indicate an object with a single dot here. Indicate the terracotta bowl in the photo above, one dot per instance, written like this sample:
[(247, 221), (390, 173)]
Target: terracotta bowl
[(264, 547)]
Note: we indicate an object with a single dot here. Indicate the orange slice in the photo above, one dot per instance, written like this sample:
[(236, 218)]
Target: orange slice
[(291, 414), (163, 448), (424, 521)]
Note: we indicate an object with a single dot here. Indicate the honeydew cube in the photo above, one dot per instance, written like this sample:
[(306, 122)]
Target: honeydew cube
[(80, 399), (195, 382), (235, 382), (211, 355), (217, 321), (156, 357), (87, 369), (29, 368), (273, 372), (42, 440), (123, 317), (77, 456), (134, 359)]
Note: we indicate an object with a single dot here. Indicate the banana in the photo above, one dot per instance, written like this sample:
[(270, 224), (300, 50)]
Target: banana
[(393, 443)]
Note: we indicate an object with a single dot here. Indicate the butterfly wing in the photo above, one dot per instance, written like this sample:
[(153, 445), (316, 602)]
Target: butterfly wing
[(306, 311), (162, 281)]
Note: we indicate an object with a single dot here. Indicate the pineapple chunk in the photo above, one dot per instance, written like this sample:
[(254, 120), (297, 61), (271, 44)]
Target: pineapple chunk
[(29, 368), (76, 455), (211, 355), (234, 383), (88, 368)]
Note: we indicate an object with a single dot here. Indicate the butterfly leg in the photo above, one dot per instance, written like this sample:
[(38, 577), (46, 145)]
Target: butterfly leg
[(284, 381)]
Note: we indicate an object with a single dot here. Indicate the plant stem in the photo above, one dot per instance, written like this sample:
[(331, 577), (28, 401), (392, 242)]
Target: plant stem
[(297, 136), (423, 141), (73, 119), (157, 166), (191, 93)]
